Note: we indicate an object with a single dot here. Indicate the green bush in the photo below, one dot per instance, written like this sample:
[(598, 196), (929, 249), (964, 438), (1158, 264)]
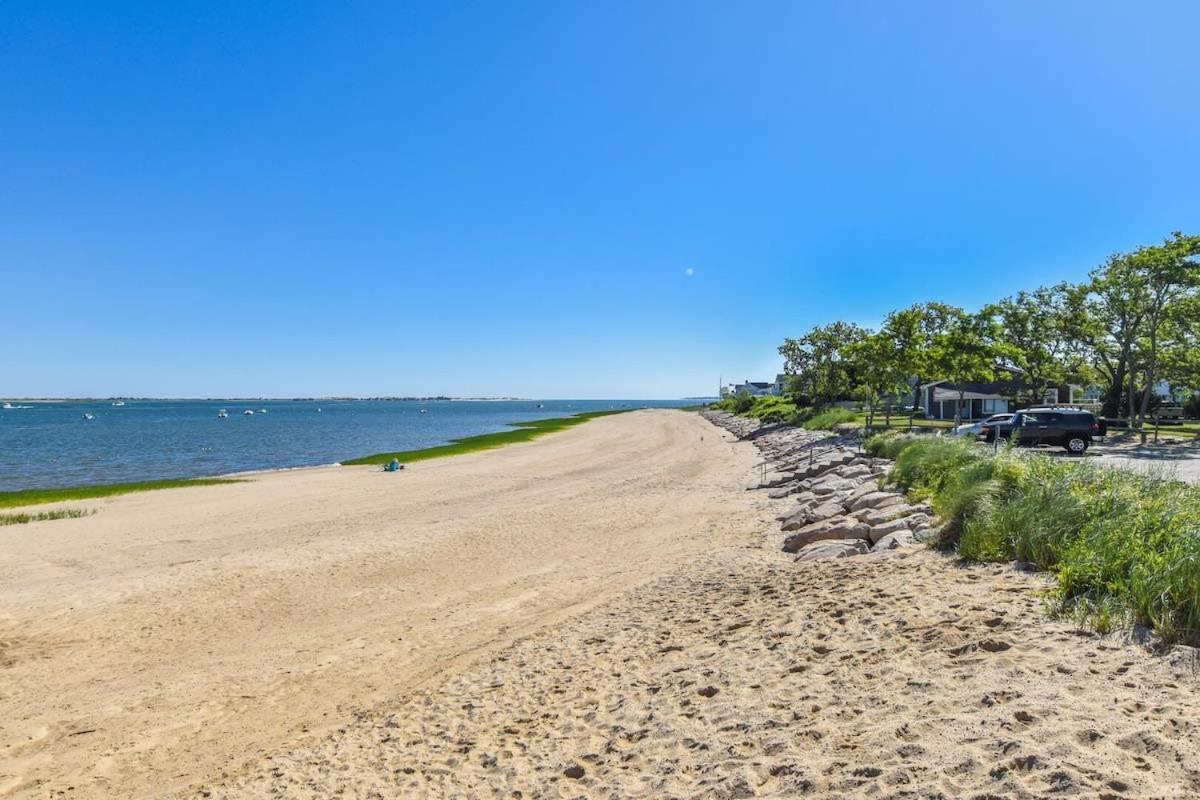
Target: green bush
[(826, 420), (743, 402), (1121, 545), (772, 409)]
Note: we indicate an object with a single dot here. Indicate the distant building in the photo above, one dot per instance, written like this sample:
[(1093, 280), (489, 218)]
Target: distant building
[(755, 388), (939, 399)]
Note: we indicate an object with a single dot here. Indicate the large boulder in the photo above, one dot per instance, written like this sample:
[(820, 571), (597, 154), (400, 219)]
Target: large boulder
[(816, 513), (855, 471), (834, 484), (894, 540), (889, 512), (836, 548), (909, 524), (834, 528), (875, 500)]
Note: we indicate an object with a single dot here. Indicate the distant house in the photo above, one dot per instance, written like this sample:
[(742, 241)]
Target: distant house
[(981, 399), (754, 388)]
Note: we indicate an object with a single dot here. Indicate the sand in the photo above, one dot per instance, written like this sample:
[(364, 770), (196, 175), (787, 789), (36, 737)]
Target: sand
[(600, 613), (176, 634)]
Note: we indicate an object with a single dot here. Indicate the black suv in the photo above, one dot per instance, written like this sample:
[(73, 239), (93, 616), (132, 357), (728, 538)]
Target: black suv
[(1064, 427)]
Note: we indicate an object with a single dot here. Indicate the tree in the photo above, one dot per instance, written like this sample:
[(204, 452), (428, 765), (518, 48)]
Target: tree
[(965, 351), (878, 370), (912, 331), (1171, 280), (1034, 331), (1129, 304), (818, 361)]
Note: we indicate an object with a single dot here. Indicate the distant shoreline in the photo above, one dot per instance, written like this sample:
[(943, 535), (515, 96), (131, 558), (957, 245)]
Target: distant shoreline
[(517, 432)]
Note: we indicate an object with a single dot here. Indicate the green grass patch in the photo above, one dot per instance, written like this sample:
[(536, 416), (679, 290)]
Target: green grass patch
[(42, 516), (30, 497), (827, 419), (521, 432), (901, 422), (1124, 547)]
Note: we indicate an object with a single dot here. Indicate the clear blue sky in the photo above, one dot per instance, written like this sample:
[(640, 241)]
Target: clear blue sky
[(504, 198)]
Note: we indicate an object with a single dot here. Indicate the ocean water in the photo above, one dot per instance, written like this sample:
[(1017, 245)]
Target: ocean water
[(45, 445)]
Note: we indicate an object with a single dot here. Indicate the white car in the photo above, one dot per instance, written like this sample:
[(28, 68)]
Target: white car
[(974, 428)]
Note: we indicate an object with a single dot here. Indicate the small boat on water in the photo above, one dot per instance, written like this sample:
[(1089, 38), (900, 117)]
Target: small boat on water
[(8, 406), (540, 405), (118, 403), (262, 411), (318, 410), (222, 414), (88, 415), (422, 411), (248, 413)]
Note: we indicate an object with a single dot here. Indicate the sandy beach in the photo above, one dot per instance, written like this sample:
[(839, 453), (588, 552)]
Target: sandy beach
[(601, 613)]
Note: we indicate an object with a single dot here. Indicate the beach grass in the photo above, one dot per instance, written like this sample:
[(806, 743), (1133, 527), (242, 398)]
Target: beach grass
[(30, 497), (1122, 546), (42, 516), (520, 432)]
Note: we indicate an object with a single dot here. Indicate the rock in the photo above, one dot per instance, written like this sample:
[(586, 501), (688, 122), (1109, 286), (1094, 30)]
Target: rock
[(783, 491), (835, 528), (894, 540), (574, 772), (875, 516), (926, 534), (910, 523), (835, 484), (808, 515), (836, 548), (876, 500), (855, 470)]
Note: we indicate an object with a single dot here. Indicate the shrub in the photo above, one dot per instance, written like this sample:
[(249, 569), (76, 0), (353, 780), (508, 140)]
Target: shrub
[(1123, 546), (772, 409), (826, 420), (743, 402)]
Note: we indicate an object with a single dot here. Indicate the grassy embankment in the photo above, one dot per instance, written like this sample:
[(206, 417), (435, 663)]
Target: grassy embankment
[(781, 409), (1124, 547), (521, 432), (33, 497)]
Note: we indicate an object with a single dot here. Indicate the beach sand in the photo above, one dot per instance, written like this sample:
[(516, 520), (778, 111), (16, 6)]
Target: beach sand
[(175, 635), (603, 613)]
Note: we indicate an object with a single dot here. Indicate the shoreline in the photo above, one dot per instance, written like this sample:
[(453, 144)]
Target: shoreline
[(151, 647), (516, 433)]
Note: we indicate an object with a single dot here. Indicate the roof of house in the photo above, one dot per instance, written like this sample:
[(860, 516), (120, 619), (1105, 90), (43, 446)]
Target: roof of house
[(983, 387)]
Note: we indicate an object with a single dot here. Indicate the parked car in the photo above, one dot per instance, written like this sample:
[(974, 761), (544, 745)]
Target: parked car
[(1070, 428), (975, 428)]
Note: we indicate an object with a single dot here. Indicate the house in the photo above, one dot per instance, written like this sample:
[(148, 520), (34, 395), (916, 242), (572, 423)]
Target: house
[(981, 399), (755, 388)]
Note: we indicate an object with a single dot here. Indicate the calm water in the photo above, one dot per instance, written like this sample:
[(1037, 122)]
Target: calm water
[(51, 444)]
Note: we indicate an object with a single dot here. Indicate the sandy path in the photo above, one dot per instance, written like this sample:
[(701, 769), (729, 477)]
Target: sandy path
[(898, 675), (177, 634)]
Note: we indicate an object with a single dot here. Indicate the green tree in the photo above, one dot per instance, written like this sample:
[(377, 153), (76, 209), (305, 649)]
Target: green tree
[(878, 369), (1130, 305), (964, 351), (818, 361), (1035, 333), (913, 331)]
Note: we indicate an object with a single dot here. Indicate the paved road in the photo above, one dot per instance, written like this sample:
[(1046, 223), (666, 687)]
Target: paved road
[(1177, 459)]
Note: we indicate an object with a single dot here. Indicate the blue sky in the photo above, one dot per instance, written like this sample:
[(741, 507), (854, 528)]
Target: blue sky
[(506, 198)]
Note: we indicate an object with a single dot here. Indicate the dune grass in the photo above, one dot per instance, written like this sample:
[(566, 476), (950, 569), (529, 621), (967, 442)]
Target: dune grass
[(30, 497), (1122, 546), (520, 432), (828, 419), (41, 516)]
